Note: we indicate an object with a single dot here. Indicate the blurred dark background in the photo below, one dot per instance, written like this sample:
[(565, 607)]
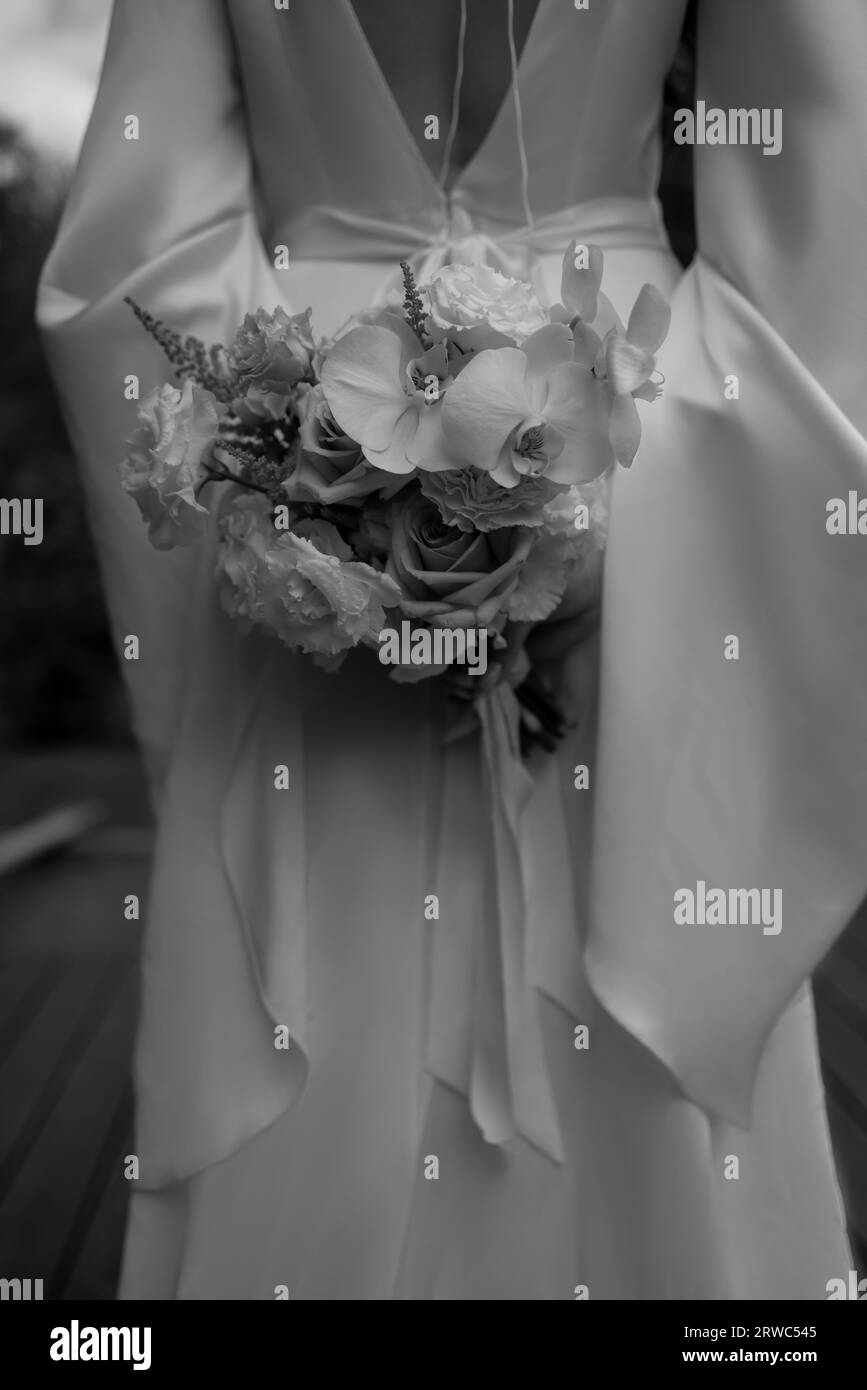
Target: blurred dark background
[(75, 826)]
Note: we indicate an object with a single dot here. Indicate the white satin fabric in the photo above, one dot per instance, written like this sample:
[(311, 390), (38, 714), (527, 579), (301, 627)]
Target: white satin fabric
[(454, 1038)]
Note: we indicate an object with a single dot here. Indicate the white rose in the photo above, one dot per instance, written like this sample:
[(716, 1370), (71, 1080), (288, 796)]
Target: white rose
[(477, 296)]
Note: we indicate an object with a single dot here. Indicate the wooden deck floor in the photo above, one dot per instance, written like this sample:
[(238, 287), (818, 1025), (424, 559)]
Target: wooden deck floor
[(68, 1004), (68, 1000)]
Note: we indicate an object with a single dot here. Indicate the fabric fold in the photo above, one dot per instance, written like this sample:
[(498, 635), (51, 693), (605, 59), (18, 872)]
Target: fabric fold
[(518, 1094), (207, 1081), (462, 233), (718, 766), (510, 930), (262, 825)]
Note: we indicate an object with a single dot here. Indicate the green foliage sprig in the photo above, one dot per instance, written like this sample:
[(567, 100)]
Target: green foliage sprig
[(190, 357), (413, 306)]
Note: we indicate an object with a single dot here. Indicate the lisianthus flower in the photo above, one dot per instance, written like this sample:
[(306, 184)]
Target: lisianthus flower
[(529, 410), (272, 353), (378, 384), (626, 361), (167, 462), (304, 586)]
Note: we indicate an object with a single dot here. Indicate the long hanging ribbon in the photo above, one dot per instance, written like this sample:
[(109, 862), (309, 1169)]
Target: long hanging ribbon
[(510, 1088)]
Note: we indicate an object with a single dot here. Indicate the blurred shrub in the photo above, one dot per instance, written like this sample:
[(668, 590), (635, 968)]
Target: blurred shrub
[(58, 675)]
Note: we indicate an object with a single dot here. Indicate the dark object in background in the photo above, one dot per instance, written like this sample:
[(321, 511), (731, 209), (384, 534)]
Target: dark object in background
[(58, 673), (676, 190)]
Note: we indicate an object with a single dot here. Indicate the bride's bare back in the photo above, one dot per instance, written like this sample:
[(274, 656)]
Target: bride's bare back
[(416, 45)]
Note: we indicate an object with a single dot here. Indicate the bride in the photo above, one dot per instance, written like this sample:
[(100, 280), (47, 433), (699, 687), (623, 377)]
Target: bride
[(584, 1095)]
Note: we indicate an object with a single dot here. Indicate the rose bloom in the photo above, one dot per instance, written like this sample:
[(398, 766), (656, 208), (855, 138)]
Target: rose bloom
[(453, 578), (167, 462), (302, 585), (272, 353), (330, 466), (479, 300), (470, 499)]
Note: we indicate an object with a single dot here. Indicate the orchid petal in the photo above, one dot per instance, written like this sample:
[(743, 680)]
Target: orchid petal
[(628, 366), (607, 317), (393, 458), (648, 391), (485, 404), (478, 338), (586, 345), (505, 473), (433, 362), (361, 381), (579, 288), (577, 408), (625, 429), (429, 449), (546, 348), (649, 320)]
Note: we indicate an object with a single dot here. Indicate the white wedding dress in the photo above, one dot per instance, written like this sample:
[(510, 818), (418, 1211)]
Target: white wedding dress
[(606, 1170)]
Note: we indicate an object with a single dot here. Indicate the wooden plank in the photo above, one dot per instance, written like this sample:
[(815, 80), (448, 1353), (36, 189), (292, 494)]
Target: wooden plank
[(842, 1046), (842, 993), (37, 1071), (24, 986), (51, 831), (852, 947), (850, 1151), (55, 1190), (70, 907), (89, 1265)]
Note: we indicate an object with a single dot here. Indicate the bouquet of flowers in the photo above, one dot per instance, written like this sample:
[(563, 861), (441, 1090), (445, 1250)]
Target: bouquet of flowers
[(426, 483)]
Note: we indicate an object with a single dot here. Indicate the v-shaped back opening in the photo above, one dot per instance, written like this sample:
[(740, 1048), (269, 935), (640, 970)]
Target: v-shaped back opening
[(526, 28)]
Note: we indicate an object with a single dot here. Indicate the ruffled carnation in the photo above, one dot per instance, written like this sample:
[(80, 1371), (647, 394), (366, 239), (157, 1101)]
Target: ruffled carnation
[(568, 553), (470, 499)]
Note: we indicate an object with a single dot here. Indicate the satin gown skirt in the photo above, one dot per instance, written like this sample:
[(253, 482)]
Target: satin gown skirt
[(377, 1183)]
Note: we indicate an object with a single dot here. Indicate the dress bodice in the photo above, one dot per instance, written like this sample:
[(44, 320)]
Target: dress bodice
[(452, 60), (336, 161)]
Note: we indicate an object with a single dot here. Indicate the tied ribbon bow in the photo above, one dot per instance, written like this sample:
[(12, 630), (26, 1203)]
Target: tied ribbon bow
[(461, 243)]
